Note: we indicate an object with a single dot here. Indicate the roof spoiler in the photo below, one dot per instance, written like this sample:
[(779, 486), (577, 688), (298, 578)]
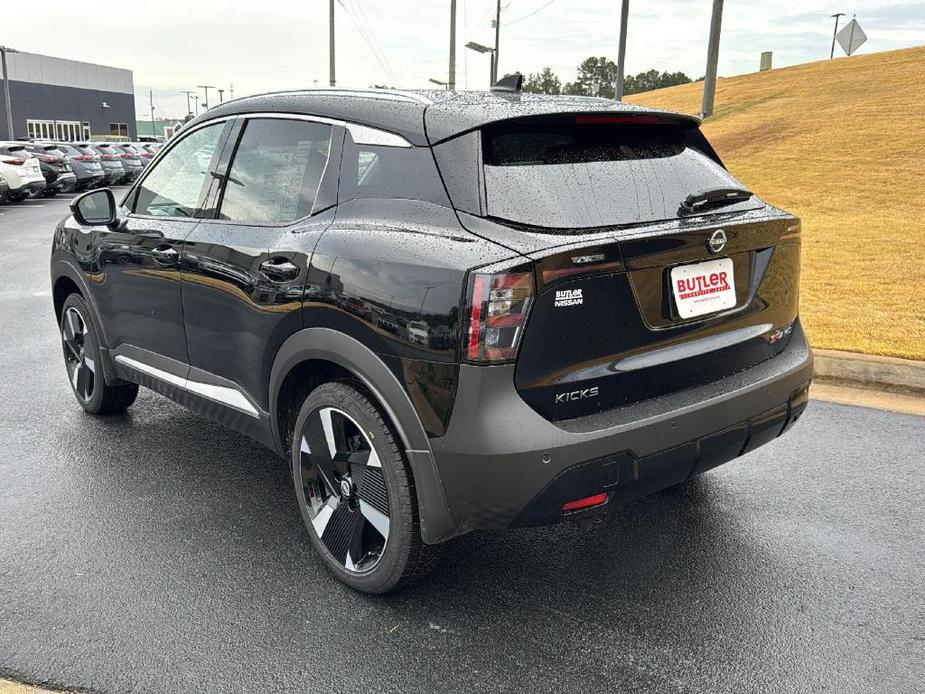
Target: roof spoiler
[(509, 84)]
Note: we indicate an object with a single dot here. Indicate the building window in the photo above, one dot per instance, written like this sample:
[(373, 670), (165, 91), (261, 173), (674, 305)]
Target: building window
[(86, 131), (67, 130), (118, 129)]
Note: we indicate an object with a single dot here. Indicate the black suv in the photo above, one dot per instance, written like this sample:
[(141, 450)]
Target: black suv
[(448, 311)]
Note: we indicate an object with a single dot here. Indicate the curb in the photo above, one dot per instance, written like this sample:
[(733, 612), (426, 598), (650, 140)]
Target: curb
[(869, 371)]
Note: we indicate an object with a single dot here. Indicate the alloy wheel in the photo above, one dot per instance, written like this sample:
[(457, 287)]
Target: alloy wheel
[(344, 489), (81, 369)]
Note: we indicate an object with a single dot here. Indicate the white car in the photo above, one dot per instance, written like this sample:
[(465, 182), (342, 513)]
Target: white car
[(418, 332), (21, 171)]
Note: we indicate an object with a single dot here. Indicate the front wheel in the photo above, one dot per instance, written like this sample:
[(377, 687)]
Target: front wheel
[(356, 492), (81, 344)]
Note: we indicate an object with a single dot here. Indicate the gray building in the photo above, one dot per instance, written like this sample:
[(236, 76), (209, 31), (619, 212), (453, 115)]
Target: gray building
[(66, 99)]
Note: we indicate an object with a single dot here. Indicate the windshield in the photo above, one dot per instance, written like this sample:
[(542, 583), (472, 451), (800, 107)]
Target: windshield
[(563, 173)]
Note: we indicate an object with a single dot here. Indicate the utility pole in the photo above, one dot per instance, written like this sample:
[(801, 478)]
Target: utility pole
[(494, 56), (206, 88), (451, 82), (151, 102), (196, 101), (331, 42), (709, 82), (189, 111), (6, 90), (837, 15), (221, 96), (230, 91), (621, 56)]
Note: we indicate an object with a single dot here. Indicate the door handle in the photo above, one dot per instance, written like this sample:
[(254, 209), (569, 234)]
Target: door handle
[(279, 269), (166, 255)]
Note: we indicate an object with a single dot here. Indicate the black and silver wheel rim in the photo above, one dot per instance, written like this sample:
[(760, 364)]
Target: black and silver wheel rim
[(81, 369), (343, 490)]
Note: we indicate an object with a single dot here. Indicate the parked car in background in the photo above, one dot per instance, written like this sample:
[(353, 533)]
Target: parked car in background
[(21, 171), (148, 149), (130, 167), (131, 159), (59, 178), (86, 166), (4, 190), (417, 332), (113, 170)]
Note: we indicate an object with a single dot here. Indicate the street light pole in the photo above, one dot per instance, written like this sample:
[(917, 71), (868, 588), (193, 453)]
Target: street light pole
[(221, 96), (189, 110), (331, 41), (151, 103), (479, 48), (709, 82), (837, 15), (6, 90), (206, 88), (451, 82), (494, 56), (621, 56)]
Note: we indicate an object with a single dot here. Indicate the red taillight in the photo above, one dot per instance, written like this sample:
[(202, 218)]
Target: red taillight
[(587, 502), (106, 156), (604, 118), (15, 162), (147, 155), (84, 157), (498, 308)]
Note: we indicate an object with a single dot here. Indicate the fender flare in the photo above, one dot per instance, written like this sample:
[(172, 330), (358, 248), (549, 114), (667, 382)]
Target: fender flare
[(329, 345), (61, 267)]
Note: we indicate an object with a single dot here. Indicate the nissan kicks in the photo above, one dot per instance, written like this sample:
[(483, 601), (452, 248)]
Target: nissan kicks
[(447, 311)]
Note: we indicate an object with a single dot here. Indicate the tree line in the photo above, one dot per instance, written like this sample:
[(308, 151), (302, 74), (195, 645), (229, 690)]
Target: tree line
[(597, 76)]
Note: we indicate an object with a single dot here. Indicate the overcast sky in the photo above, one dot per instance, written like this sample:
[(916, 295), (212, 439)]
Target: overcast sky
[(172, 45)]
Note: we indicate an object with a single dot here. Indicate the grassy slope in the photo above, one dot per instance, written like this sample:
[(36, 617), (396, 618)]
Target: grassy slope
[(841, 143)]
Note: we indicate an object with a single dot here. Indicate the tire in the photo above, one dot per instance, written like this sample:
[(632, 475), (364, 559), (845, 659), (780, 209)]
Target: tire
[(356, 492), (82, 360), (18, 197)]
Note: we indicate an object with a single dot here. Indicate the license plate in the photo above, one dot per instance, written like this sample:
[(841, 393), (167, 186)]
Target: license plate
[(703, 287)]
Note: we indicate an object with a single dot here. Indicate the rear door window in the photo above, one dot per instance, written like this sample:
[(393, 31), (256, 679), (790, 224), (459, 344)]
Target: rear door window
[(576, 172), (276, 171)]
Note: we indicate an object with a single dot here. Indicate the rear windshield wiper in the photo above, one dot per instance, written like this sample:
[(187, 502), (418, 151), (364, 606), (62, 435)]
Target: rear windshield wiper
[(713, 197)]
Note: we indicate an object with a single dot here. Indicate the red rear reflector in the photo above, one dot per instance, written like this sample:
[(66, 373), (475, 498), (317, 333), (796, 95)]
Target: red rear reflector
[(604, 118), (587, 502)]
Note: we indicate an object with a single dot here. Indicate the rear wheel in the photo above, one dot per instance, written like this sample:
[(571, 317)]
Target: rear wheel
[(81, 344), (356, 492)]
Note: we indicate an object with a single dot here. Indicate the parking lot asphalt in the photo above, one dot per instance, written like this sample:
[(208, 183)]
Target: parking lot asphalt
[(158, 552)]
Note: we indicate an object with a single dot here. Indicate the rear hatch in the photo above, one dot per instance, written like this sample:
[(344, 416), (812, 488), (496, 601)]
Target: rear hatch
[(655, 269)]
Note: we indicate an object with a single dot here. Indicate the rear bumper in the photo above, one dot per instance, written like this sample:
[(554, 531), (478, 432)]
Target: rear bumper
[(502, 464), (30, 188)]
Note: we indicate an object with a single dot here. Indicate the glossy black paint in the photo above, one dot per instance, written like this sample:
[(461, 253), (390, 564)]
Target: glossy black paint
[(373, 283)]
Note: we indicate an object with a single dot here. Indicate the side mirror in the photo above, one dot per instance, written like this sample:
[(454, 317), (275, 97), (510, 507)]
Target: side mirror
[(95, 208)]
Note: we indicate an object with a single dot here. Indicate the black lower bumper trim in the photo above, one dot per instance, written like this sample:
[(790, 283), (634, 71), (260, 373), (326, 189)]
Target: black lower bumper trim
[(626, 477)]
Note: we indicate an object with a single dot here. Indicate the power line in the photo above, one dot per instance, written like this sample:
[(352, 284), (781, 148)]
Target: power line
[(529, 14), (368, 40)]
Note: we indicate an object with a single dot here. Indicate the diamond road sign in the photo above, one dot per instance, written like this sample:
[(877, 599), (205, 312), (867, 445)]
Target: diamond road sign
[(851, 37)]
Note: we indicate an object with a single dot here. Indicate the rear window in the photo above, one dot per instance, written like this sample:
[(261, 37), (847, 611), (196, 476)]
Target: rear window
[(563, 173), (378, 171)]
